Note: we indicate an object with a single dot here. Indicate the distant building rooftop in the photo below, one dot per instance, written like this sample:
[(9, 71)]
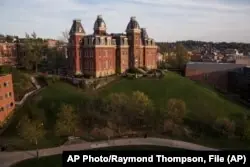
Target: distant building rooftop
[(212, 67)]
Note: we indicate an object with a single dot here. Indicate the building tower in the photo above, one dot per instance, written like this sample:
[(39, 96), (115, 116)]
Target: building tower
[(134, 39), (100, 26), (76, 34)]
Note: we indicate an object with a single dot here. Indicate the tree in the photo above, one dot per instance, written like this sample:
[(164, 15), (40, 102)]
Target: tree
[(241, 123), (65, 35), (32, 131), (67, 121), (117, 107), (225, 126), (176, 109), (33, 47), (139, 106), (33, 35), (181, 56), (56, 58)]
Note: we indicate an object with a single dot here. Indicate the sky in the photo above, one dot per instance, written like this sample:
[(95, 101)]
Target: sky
[(165, 20)]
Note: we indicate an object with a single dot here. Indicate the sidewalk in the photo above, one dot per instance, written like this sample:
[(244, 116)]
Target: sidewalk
[(9, 158)]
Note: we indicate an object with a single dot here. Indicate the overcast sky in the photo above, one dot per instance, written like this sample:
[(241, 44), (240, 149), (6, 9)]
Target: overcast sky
[(165, 20)]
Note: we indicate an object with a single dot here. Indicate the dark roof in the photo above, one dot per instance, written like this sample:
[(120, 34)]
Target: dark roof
[(133, 24), (212, 67), (99, 23), (76, 27)]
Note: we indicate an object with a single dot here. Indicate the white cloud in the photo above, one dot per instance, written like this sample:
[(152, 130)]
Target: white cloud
[(165, 20)]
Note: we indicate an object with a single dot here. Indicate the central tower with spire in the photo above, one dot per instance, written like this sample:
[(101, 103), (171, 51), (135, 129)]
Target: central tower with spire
[(76, 34), (100, 26), (134, 39)]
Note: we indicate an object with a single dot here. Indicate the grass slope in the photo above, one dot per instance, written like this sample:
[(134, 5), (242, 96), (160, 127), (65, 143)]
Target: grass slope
[(198, 99), (47, 104)]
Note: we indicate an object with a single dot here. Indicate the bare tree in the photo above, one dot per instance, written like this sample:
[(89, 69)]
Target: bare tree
[(65, 35), (34, 36), (27, 35)]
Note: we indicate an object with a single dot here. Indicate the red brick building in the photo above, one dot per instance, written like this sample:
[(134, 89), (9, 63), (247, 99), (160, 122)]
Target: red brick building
[(7, 102), (103, 54), (8, 53)]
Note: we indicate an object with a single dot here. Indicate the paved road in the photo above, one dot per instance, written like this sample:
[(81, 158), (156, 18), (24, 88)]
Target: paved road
[(9, 158)]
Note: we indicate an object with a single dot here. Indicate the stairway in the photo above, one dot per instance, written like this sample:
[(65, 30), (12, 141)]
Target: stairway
[(33, 80)]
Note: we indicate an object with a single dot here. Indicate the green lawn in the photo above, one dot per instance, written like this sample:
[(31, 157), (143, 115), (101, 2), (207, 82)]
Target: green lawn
[(197, 98), (56, 160)]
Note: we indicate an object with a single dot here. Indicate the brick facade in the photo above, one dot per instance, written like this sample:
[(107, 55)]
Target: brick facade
[(102, 54), (8, 53), (7, 102)]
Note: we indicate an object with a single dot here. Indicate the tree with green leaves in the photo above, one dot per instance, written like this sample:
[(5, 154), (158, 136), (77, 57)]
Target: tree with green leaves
[(55, 58), (117, 107), (139, 106), (180, 59), (32, 131), (176, 109), (33, 48), (67, 121)]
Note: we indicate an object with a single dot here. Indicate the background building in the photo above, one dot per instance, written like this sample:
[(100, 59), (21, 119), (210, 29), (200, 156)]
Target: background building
[(8, 53), (7, 102), (243, 60), (239, 82), (102, 54), (213, 74)]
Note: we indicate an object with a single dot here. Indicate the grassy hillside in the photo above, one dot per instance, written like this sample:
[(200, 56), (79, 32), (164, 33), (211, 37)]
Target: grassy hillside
[(44, 105), (198, 99), (203, 105)]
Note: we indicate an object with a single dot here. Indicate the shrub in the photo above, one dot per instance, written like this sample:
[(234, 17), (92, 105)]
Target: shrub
[(168, 126), (176, 109), (225, 126)]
